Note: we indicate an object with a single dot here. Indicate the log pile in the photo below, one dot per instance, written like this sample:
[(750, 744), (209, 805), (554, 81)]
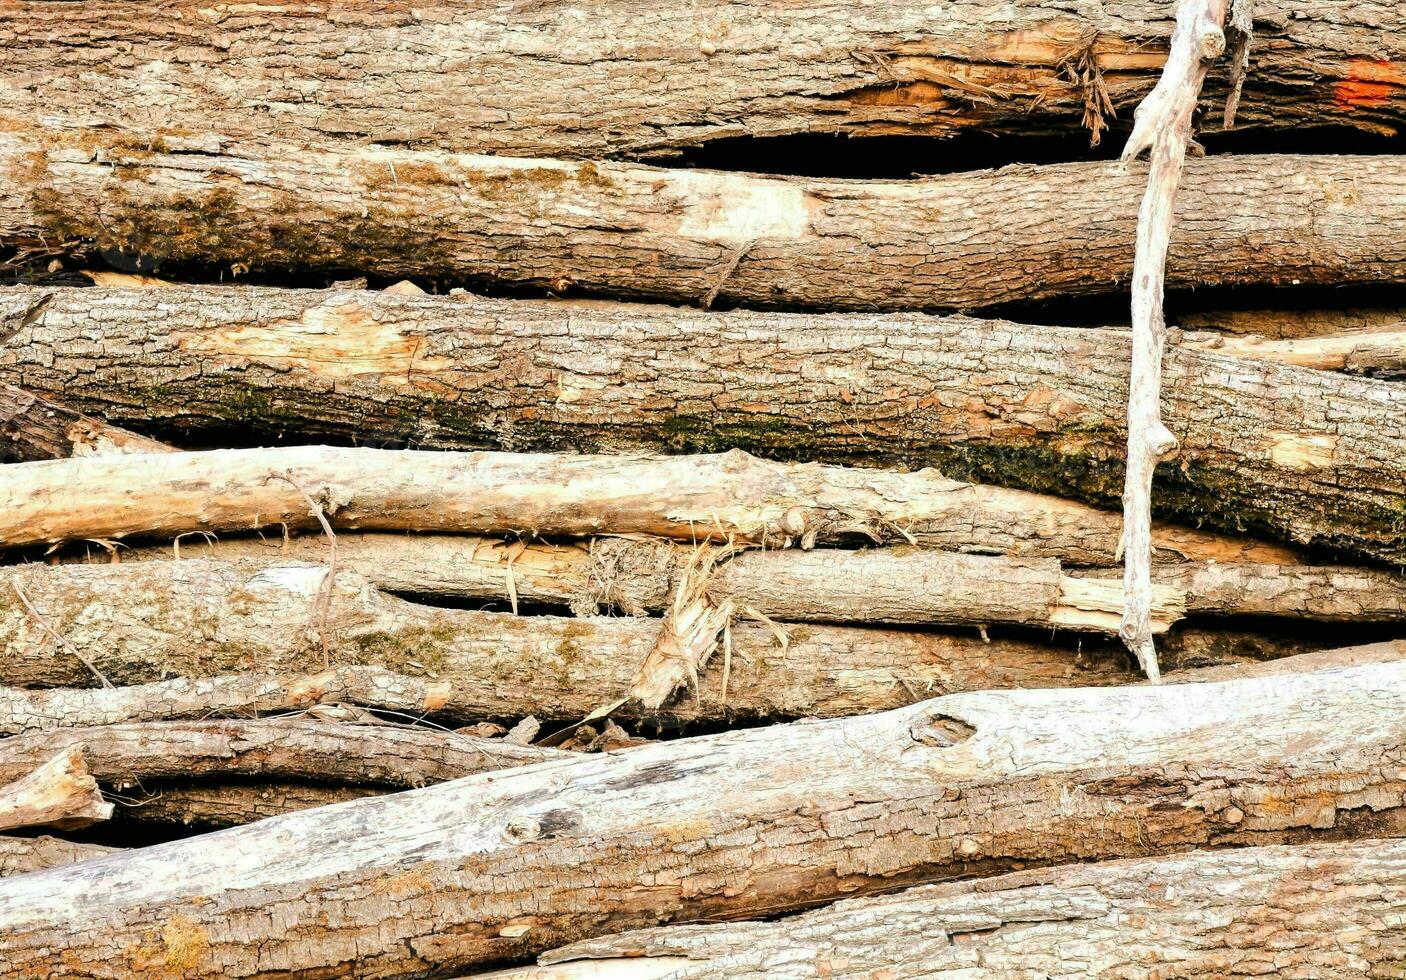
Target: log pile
[(452, 530)]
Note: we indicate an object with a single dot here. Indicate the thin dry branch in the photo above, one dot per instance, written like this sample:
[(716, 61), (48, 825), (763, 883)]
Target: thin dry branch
[(1162, 126)]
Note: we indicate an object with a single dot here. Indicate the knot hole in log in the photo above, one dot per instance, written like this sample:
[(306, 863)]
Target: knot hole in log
[(941, 731)]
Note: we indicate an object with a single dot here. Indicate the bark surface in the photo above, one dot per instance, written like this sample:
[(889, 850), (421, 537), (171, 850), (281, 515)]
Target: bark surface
[(449, 877), (144, 622), (727, 497), (215, 806), (1309, 911), (960, 241), (649, 82), (33, 428), (290, 749), (21, 855), (1305, 455)]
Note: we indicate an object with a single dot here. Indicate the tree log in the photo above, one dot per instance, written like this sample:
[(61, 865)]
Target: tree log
[(442, 878), (1375, 353), (1322, 460), (462, 76), (21, 855), (1187, 915), (897, 584), (207, 806), (147, 621), (293, 748), (694, 235), (726, 497), (1292, 324), (55, 791), (33, 428)]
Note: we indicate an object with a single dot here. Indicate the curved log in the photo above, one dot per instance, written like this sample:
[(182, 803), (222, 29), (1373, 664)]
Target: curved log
[(967, 784), (464, 76), (626, 230)]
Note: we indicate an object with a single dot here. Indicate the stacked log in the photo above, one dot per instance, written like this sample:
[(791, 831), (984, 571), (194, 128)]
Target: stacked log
[(552, 519)]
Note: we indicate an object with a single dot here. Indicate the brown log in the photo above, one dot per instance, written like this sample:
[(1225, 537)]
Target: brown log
[(21, 855), (286, 748), (691, 235), (54, 791), (726, 497), (462, 76), (899, 583), (1259, 911), (1039, 407), (442, 878), (214, 806), (147, 621), (1292, 324), (32, 427)]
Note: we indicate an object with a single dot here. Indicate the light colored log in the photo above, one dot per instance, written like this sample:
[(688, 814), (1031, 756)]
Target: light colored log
[(549, 81), (21, 855), (147, 621), (447, 878), (54, 792), (1311, 910), (729, 496), (312, 748), (1039, 407), (1377, 353), (685, 235), (32, 428)]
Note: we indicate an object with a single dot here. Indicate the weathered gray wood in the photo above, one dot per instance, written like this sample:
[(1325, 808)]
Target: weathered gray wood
[(147, 621), (1308, 911), (553, 78), (21, 855), (52, 790), (450, 877), (688, 235)]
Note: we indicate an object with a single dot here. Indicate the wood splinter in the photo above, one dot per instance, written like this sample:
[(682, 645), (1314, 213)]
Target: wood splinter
[(1162, 126)]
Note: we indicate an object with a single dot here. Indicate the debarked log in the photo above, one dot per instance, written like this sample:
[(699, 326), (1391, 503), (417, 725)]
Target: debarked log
[(1197, 914), (144, 622), (1302, 454), (54, 790), (728, 497), (958, 241), (281, 748), (963, 785), (895, 584), (462, 76)]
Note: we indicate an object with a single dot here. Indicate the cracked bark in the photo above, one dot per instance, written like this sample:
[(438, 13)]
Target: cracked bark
[(727, 497), (449, 877), (464, 77), (626, 230), (148, 621), (1041, 407), (1197, 914), (32, 427), (896, 584)]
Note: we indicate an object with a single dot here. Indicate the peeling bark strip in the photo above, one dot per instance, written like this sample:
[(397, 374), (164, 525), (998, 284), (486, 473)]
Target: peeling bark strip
[(729, 496), (21, 855), (464, 76), (632, 231), (144, 622), (307, 748), (1306, 455), (53, 790), (441, 878), (33, 428), (898, 583), (1185, 915)]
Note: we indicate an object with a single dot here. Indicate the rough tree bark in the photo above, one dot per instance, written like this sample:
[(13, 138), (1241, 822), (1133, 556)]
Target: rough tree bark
[(1329, 908), (899, 583), (463, 77), (21, 855), (296, 748), (727, 497), (214, 806), (1319, 460), (1162, 127), (445, 877), (32, 427), (1296, 324), (144, 622), (688, 235), (54, 791)]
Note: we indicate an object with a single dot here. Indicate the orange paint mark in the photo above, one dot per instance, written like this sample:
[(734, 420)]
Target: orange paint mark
[(1369, 82)]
